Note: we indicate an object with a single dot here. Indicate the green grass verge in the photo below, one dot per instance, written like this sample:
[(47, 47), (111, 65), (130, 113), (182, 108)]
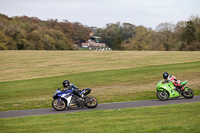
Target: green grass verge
[(108, 85), (177, 118)]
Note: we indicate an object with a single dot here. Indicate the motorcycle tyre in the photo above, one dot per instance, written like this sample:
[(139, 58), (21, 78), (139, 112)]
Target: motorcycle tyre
[(160, 97), (91, 106), (57, 109), (185, 95)]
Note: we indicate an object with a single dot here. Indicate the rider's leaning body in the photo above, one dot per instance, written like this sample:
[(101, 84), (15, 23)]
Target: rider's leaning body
[(68, 86), (171, 78)]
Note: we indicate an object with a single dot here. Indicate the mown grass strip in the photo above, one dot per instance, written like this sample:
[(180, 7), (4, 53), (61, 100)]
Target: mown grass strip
[(29, 64), (102, 78), (179, 118)]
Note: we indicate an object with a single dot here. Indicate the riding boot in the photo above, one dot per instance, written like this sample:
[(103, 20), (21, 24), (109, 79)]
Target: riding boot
[(182, 88), (178, 89)]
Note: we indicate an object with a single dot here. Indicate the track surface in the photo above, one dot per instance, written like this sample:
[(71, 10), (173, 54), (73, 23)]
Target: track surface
[(106, 106)]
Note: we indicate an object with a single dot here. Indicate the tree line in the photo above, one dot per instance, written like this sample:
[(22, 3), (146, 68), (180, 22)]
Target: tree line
[(185, 35), (30, 33)]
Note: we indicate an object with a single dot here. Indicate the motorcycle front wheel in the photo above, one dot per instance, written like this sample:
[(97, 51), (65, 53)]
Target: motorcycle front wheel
[(162, 95), (91, 102), (188, 93), (59, 105)]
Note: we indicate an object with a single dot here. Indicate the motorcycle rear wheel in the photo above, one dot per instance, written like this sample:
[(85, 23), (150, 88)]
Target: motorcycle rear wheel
[(59, 106), (91, 102), (188, 93), (162, 95)]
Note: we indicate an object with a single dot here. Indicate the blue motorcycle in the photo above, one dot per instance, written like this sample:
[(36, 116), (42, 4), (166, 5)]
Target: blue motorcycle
[(66, 98)]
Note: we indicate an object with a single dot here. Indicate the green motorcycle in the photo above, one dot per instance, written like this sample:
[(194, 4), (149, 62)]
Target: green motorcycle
[(166, 90)]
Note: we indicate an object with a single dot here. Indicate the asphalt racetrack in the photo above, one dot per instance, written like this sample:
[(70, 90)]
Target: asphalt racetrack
[(105, 106)]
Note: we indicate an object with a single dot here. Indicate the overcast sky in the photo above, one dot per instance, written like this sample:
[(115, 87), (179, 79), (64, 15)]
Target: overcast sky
[(148, 13)]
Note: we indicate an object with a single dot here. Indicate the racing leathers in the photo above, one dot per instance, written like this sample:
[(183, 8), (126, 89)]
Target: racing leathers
[(176, 82), (75, 89)]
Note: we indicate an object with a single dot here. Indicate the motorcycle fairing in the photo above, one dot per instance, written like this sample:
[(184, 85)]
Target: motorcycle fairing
[(183, 83), (169, 87), (86, 91)]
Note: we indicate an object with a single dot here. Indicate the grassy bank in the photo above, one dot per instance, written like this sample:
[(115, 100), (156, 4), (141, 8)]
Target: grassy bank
[(179, 118), (29, 78), (108, 86), (18, 65)]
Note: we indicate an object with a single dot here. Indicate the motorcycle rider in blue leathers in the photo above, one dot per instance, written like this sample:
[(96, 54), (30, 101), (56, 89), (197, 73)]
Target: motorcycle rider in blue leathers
[(68, 86)]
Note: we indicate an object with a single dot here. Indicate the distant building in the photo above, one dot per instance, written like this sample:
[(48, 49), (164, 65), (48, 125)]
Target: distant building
[(93, 42), (93, 45)]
